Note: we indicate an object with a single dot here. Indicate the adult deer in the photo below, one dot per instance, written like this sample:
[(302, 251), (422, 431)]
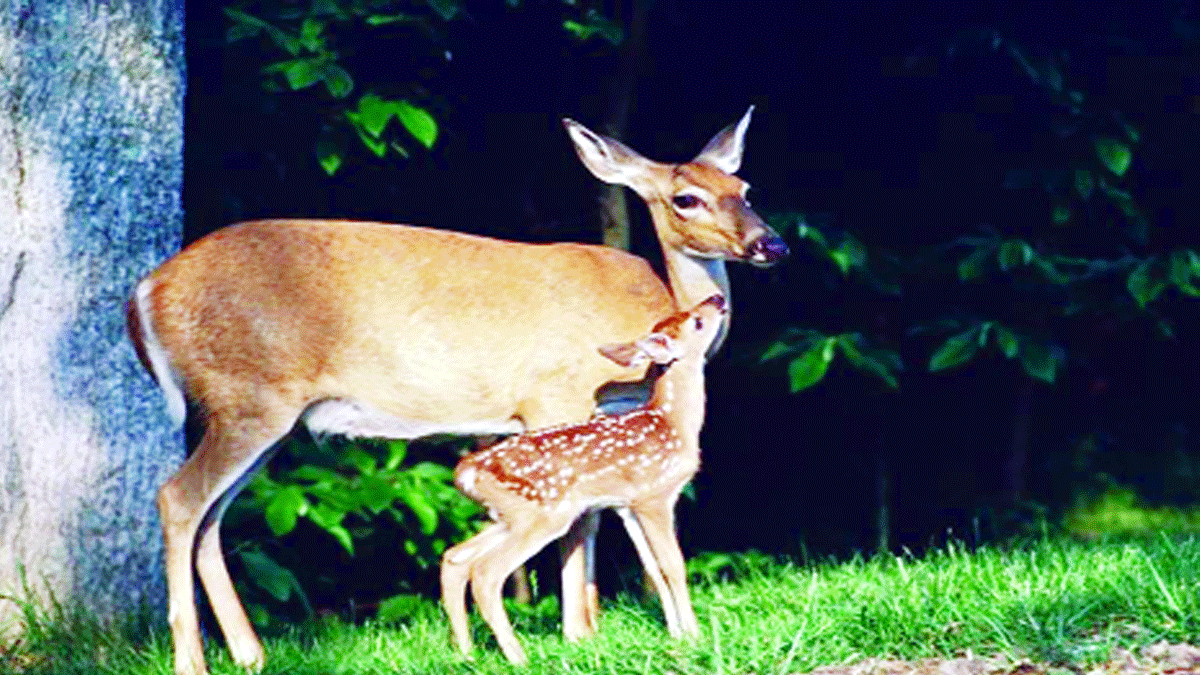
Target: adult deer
[(536, 484), (394, 331)]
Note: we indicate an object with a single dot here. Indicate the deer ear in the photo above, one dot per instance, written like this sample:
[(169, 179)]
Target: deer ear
[(607, 159), (625, 354), (724, 151), (659, 348)]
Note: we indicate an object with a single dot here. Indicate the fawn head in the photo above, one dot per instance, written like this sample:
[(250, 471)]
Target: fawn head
[(685, 335)]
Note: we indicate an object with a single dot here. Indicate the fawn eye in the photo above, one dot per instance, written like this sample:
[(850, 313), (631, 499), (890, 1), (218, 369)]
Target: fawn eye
[(685, 201)]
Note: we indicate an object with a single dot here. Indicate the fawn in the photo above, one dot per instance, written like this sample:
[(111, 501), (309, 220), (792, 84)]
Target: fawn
[(536, 484)]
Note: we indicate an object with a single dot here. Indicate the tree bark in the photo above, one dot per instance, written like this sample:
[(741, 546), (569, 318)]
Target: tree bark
[(614, 205), (91, 164)]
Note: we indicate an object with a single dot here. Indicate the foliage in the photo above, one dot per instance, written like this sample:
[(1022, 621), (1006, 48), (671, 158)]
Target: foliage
[(329, 46), (810, 352), (1119, 511), (353, 493), (1019, 287)]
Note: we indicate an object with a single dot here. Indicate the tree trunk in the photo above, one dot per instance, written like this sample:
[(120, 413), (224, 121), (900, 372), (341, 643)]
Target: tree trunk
[(1017, 461), (614, 207), (91, 119)]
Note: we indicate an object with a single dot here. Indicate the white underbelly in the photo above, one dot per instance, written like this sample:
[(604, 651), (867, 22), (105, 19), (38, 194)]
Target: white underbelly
[(347, 417)]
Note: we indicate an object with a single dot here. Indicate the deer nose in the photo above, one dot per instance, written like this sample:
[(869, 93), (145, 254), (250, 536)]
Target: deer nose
[(768, 250)]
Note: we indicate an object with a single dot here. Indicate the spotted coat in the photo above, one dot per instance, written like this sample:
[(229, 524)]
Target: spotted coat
[(547, 466)]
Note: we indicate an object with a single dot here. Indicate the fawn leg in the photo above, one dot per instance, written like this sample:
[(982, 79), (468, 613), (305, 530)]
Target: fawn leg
[(490, 568), (657, 519), (456, 571), (634, 529)]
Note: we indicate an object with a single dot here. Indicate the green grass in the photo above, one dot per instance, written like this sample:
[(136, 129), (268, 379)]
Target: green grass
[(1057, 602)]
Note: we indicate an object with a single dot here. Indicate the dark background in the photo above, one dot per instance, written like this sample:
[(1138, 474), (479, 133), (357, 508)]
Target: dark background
[(864, 119)]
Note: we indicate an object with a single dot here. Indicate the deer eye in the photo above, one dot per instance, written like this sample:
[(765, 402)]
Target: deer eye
[(685, 201)]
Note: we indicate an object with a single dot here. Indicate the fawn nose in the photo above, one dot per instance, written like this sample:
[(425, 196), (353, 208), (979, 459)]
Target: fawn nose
[(768, 250)]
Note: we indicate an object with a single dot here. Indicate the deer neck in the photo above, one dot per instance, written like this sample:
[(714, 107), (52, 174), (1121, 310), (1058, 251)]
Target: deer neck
[(692, 278), (679, 395)]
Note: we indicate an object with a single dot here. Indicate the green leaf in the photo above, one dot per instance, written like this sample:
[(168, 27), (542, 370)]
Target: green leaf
[(1142, 285), (299, 73), (1048, 270), (1039, 360), (396, 451), (849, 254), (417, 121), (338, 82), (1006, 340), (281, 38), (386, 19), (325, 515), (327, 8), (775, 350), (972, 266), (360, 459), (808, 369), (374, 114), (241, 31), (868, 362), (1114, 154), (1183, 266), (432, 471), (342, 536), (284, 509), (1131, 132), (1014, 253), (317, 474), (424, 511), (956, 350), (806, 231), (578, 30), (1085, 183), (1137, 220), (329, 155), (378, 493), (610, 30), (310, 34), (444, 8), (1061, 214), (277, 580)]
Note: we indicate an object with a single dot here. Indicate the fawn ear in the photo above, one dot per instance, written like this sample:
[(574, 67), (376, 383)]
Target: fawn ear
[(655, 347), (626, 354), (659, 348)]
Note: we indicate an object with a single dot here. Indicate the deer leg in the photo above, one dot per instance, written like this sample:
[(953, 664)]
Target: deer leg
[(456, 571), (184, 501), (658, 522), (580, 600), (243, 642), (653, 571)]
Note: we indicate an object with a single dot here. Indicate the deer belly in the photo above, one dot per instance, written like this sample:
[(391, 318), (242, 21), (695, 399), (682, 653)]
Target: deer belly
[(349, 417)]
